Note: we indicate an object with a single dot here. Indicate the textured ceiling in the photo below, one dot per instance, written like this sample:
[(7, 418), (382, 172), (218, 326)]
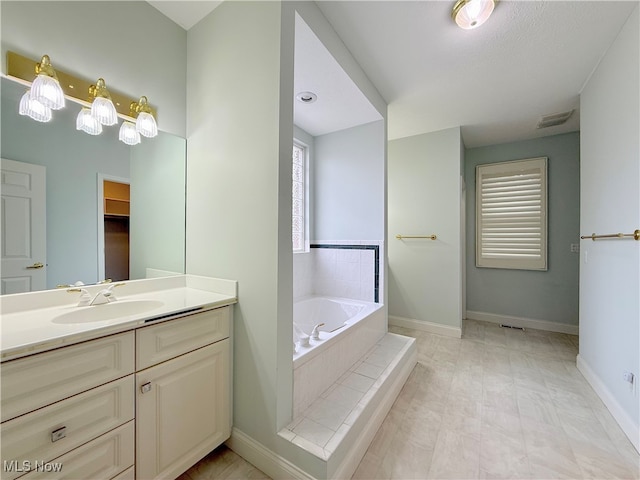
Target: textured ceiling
[(531, 58)]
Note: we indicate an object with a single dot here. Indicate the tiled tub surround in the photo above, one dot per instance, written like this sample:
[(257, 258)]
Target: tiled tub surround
[(337, 315), (317, 367), (339, 424), (349, 270)]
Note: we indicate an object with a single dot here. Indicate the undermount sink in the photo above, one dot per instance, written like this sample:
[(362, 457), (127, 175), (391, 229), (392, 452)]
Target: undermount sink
[(109, 311)]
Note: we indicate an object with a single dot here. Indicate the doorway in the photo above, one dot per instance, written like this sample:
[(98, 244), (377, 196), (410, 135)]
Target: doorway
[(115, 223)]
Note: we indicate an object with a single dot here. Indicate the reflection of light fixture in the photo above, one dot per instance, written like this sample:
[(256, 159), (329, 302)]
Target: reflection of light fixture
[(45, 88), (145, 122), (88, 123), (102, 108), (33, 108), (128, 133), (306, 97), (470, 14)]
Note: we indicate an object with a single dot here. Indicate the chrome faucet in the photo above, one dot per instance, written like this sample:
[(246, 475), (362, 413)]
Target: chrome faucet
[(315, 334), (103, 296)]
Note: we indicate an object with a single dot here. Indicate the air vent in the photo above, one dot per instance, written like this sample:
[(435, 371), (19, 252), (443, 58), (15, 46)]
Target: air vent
[(554, 119)]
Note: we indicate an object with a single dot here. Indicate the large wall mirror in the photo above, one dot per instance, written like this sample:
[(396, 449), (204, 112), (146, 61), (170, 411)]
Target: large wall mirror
[(83, 241)]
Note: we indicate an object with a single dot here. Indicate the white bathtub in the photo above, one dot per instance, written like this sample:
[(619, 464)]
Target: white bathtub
[(351, 328)]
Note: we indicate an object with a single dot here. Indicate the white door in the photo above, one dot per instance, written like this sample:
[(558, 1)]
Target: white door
[(23, 227)]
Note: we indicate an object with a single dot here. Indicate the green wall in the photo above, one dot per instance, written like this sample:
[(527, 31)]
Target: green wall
[(552, 295)]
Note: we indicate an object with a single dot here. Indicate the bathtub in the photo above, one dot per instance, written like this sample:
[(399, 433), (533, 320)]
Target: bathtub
[(351, 328)]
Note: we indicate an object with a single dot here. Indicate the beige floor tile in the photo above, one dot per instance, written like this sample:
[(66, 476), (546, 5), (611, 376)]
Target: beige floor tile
[(455, 416)]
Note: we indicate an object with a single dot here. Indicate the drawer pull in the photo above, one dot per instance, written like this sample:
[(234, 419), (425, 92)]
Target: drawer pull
[(58, 434), (146, 387)]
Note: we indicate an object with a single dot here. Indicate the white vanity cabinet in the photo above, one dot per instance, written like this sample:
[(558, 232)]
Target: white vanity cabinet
[(58, 402), (146, 403), (183, 403)]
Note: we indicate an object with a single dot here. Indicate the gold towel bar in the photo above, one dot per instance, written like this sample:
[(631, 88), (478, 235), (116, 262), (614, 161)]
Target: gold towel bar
[(593, 236), (400, 237)]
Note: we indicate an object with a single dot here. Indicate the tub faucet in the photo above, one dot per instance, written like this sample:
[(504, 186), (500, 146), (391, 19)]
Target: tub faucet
[(315, 334)]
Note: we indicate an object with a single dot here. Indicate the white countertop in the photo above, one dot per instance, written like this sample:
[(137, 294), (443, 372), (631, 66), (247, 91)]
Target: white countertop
[(31, 323)]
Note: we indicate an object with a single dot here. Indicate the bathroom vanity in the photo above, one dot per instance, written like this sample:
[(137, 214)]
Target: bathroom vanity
[(143, 395)]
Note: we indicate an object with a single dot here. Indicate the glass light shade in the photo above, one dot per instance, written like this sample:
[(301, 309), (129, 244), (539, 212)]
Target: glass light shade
[(146, 125), (34, 109), (470, 14), (88, 123), (128, 134), (103, 110), (47, 91)]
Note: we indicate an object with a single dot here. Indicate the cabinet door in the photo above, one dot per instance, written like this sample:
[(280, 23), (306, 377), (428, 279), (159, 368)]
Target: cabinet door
[(182, 411)]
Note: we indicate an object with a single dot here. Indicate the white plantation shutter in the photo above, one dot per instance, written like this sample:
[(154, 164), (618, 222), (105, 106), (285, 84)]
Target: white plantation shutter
[(511, 214)]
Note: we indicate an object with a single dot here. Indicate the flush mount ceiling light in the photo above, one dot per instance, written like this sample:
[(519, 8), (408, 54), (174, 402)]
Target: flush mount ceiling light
[(45, 88), (469, 14), (145, 121), (306, 97), (102, 108)]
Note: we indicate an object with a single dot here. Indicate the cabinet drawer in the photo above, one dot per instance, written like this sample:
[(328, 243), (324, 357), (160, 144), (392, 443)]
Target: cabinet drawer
[(167, 340), (101, 459), (33, 382), (34, 437)]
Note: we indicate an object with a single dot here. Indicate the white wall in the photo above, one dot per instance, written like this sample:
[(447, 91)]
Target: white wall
[(234, 205), (609, 201), (136, 49), (239, 201), (425, 284), (348, 184)]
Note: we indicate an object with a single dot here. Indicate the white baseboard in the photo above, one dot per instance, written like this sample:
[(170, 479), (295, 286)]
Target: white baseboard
[(523, 322), (630, 429), (430, 327), (359, 447), (261, 457)]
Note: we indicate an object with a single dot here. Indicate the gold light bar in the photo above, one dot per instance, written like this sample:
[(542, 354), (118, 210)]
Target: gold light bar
[(24, 69), (593, 236), (400, 237)]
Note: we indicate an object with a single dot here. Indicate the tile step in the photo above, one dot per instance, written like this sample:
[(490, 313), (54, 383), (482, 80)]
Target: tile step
[(348, 404)]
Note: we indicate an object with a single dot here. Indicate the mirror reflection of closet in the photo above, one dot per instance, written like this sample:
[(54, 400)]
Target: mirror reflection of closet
[(116, 230)]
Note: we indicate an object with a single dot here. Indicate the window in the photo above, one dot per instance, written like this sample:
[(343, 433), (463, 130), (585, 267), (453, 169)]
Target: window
[(511, 214), (299, 207)]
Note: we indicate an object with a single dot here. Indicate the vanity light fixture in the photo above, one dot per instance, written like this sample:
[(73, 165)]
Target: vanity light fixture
[(128, 133), (46, 88), (102, 108), (469, 14), (145, 121), (33, 108), (88, 123)]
